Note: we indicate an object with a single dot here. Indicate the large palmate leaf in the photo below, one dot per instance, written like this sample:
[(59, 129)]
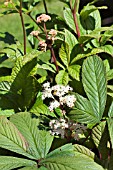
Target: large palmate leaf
[(94, 82), (64, 159), (83, 111), (39, 141), (12, 139), (8, 163)]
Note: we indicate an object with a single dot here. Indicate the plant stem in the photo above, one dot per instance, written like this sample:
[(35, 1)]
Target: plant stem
[(23, 27), (74, 11), (49, 45), (54, 58), (45, 30), (45, 6), (29, 14)]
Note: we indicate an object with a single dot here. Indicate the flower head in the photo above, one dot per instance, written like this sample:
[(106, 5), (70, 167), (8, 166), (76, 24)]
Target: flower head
[(54, 104), (43, 18), (34, 33), (60, 127), (53, 32), (42, 45)]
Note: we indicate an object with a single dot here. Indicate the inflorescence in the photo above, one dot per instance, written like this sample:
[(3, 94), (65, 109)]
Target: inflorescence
[(61, 92), (50, 36)]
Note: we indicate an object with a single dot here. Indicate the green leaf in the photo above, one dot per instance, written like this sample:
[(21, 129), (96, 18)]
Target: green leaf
[(69, 19), (94, 82), (97, 133), (43, 168), (4, 87), (70, 39), (87, 10), (39, 141), (24, 86), (29, 168), (83, 112), (88, 17), (45, 56), (110, 74), (62, 77), (85, 151), (74, 71), (100, 137), (107, 65), (108, 49), (47, 67), (6, 112), (110, 112), (64, 54), (5, 78), (12, 139), (110, 128), (40, 108), (69, 160), (9, 163), (87, 54)]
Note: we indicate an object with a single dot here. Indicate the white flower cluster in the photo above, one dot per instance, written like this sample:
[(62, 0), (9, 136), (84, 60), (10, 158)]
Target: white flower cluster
[(62, 93), (58, 127), (63, 126)]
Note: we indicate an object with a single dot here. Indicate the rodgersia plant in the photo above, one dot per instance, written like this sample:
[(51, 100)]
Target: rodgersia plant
[(56, 108)]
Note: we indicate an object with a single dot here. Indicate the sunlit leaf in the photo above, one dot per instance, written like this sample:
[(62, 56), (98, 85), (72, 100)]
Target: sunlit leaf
[(94, 82), (74, 71), (12, 139), (39, 141), (62, 77), (9, 163)]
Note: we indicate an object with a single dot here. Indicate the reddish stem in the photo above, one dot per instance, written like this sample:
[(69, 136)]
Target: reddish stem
[(74, 11), (54, 58), (45, 30)]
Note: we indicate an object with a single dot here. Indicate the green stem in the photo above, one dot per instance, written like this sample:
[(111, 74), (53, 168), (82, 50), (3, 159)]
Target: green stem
[(45, 6), (23, 27)]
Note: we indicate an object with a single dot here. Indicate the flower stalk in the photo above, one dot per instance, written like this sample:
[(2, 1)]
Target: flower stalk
[(45, 6), (74, 12)]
